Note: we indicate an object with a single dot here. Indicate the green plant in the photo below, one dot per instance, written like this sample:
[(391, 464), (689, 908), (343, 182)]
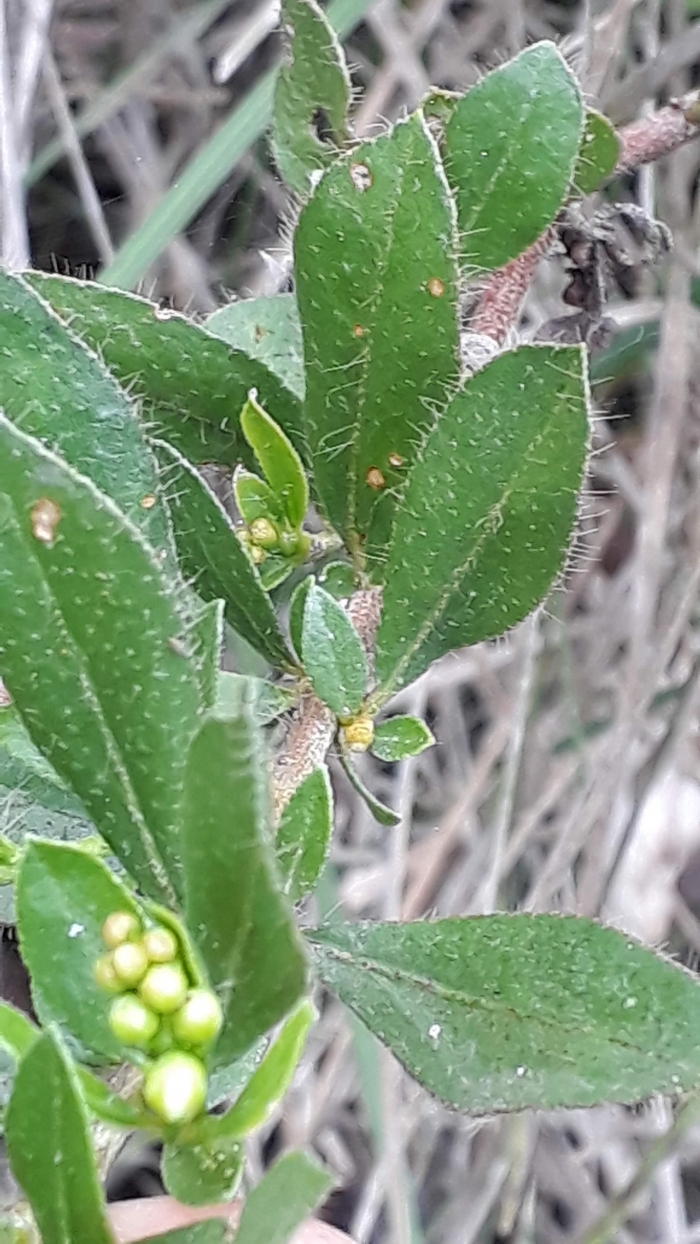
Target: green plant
[(445, 495)]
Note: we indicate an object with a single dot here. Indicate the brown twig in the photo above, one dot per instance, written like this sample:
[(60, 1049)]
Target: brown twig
[(643, 142)]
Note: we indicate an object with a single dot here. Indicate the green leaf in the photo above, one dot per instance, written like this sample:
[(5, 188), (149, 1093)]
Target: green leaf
[(511, 147), (278, 459), (376, 276), (489, 510), (57, 390), (287, 1193), (201, 1173), (304, 835), (267, 329), (255, 498), (211, 554), (191, 383), (208, 633), (296, 612), (103, 676), (268, 1085), (108, 1106), (338, 578), (379, 810), (63, 898), (50, 1148), (24, 769), (503, 1012), (400, 737), (312, 96), (598, 154), (213, 1232), (333, 654), (17, 1033), (228, 1080), (267, 700), (236, 915)]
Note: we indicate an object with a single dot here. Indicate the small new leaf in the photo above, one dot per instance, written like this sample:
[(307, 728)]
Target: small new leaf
[(401, 737), (304, 835), (211, 554), (332, 652), (202, 1172), (312, 96), (278, 459), (598, 154), (379, 810), (51, 1150)]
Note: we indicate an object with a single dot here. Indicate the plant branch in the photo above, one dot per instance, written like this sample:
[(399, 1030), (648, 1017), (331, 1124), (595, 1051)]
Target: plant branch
[(642, 142), (310, 735)]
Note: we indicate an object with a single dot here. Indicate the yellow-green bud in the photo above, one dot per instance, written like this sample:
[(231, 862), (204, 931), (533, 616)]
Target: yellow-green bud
[(106, 976), (199, 1019), (160, 945), (288, 542), (359, 734), (130, 962), (263, 533), (120, 927), (131, 1021), (164, 987), (175, 1087)]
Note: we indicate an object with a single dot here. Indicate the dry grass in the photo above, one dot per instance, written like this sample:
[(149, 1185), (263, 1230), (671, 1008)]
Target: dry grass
[(566, 776)]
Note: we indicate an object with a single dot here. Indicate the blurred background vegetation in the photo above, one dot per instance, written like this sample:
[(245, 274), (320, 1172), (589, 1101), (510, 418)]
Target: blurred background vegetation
[(567, 775)]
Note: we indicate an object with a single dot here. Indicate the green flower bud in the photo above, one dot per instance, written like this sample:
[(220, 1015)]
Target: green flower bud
[(130, 962), (106, 976), (131, 1021), (120, 927), (175, 1087), (263, 533), (288, 542), (199, 1019), (164, 987), (160, 945)]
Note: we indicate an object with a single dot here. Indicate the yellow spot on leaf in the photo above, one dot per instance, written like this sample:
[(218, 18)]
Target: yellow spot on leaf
[(375, 478), (436, 287), (396, 460), (46, 516), (359, 331), (148, 502), (361, 177)]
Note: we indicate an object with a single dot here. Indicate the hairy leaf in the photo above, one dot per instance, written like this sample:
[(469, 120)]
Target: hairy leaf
[(235, 912), (63, 898), (267, 700), (201, 1173), (304, 835), (489, 510), (211, 554), (333, 654), (24, 769), (51, 1149), (502, 1012), (598, 154), (510, 149), (94, 648), (376, 279), (312, 96), (267, 329), (56, 389), (400, 737), (286, 1194), (278, 459), (191, 383), (381, 813)]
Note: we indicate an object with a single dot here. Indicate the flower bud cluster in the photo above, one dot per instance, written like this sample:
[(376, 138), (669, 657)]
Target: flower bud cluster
[(156, 1009)]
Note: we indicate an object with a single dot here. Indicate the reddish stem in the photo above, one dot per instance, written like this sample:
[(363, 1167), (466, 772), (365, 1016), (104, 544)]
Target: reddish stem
[(642, 142)]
